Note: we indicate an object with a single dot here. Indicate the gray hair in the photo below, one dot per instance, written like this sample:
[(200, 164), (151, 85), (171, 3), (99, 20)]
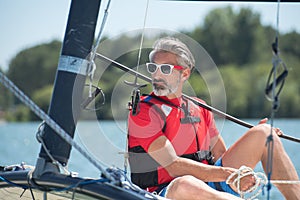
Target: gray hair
[(173, 45)]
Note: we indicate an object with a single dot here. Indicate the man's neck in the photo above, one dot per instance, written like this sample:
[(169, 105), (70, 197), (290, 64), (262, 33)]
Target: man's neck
[(174, 95)]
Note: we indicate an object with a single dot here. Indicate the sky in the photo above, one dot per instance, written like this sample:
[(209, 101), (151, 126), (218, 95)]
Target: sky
[(26, 23)]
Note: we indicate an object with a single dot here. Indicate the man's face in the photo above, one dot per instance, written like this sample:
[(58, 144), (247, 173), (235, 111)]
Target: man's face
[(167, 85)]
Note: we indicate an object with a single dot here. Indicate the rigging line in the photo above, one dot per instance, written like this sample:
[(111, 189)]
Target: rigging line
[(205, 106), (275, 104), (277, 27), (39, 137), (135, 84), (58, 130), (142, 40), (92, 65), (101, 28)]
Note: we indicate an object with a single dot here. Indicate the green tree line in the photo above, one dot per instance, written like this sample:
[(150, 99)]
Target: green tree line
[(236, 41)]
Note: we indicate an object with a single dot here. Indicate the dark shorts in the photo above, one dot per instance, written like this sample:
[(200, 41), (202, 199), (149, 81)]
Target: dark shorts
[(220, 186)]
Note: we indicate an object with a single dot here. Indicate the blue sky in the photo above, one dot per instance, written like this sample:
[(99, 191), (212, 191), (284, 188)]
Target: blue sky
[(26, 23)]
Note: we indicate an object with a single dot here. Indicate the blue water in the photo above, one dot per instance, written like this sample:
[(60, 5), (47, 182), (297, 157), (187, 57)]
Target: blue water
[(105, 141)]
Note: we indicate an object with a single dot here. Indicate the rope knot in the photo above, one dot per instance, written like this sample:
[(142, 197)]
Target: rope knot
[(251, 192)]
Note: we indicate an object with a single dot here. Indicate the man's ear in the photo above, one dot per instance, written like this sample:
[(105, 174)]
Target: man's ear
[(186, 74)]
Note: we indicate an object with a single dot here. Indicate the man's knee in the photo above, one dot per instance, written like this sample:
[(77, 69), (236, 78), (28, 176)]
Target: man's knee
[(183, 185), (263, 131), (180, 184)]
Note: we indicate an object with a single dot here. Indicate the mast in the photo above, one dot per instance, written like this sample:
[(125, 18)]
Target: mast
[(69, 82)]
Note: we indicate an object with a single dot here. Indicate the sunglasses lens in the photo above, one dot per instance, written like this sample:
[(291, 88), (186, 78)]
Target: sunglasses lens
[(166, 69), (151, 67)]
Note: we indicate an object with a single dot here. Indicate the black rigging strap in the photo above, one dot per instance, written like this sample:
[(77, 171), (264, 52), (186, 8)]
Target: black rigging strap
[(276, 82), (272, 93)]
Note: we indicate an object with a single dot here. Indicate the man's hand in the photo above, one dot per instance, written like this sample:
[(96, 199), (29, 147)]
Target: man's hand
[(276, 130), (263, 121), (245, 183)]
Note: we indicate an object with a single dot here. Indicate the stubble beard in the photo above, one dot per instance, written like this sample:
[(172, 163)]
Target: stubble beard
[(161, 88)]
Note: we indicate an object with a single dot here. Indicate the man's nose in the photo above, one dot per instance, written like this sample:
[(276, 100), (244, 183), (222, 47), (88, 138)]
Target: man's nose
[(157, 74)]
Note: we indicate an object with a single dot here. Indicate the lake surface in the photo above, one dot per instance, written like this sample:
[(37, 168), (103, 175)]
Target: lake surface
[(105, 141)]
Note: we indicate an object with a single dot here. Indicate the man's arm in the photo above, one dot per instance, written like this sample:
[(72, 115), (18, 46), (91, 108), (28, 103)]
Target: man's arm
[(163, 152), (218, 147)]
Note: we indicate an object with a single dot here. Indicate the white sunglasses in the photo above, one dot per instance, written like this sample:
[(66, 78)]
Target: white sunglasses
[(164, 68)]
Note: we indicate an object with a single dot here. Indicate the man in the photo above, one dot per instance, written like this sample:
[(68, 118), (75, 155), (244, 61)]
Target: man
[(175, 148)]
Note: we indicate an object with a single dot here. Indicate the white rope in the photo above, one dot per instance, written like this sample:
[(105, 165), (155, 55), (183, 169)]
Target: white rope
[(260, 181), (242, 172), (284, 182)]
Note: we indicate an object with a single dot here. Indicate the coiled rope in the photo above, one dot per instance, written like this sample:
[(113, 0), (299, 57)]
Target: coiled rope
[(261, 181)]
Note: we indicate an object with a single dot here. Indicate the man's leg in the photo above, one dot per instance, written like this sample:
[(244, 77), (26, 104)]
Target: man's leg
[(189, 187), (251, 148)]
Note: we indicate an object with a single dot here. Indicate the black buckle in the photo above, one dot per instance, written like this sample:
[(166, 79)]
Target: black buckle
[(205, 155), (189, 120)]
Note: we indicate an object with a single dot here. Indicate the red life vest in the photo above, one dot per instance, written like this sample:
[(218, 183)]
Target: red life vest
[(188, 127)]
